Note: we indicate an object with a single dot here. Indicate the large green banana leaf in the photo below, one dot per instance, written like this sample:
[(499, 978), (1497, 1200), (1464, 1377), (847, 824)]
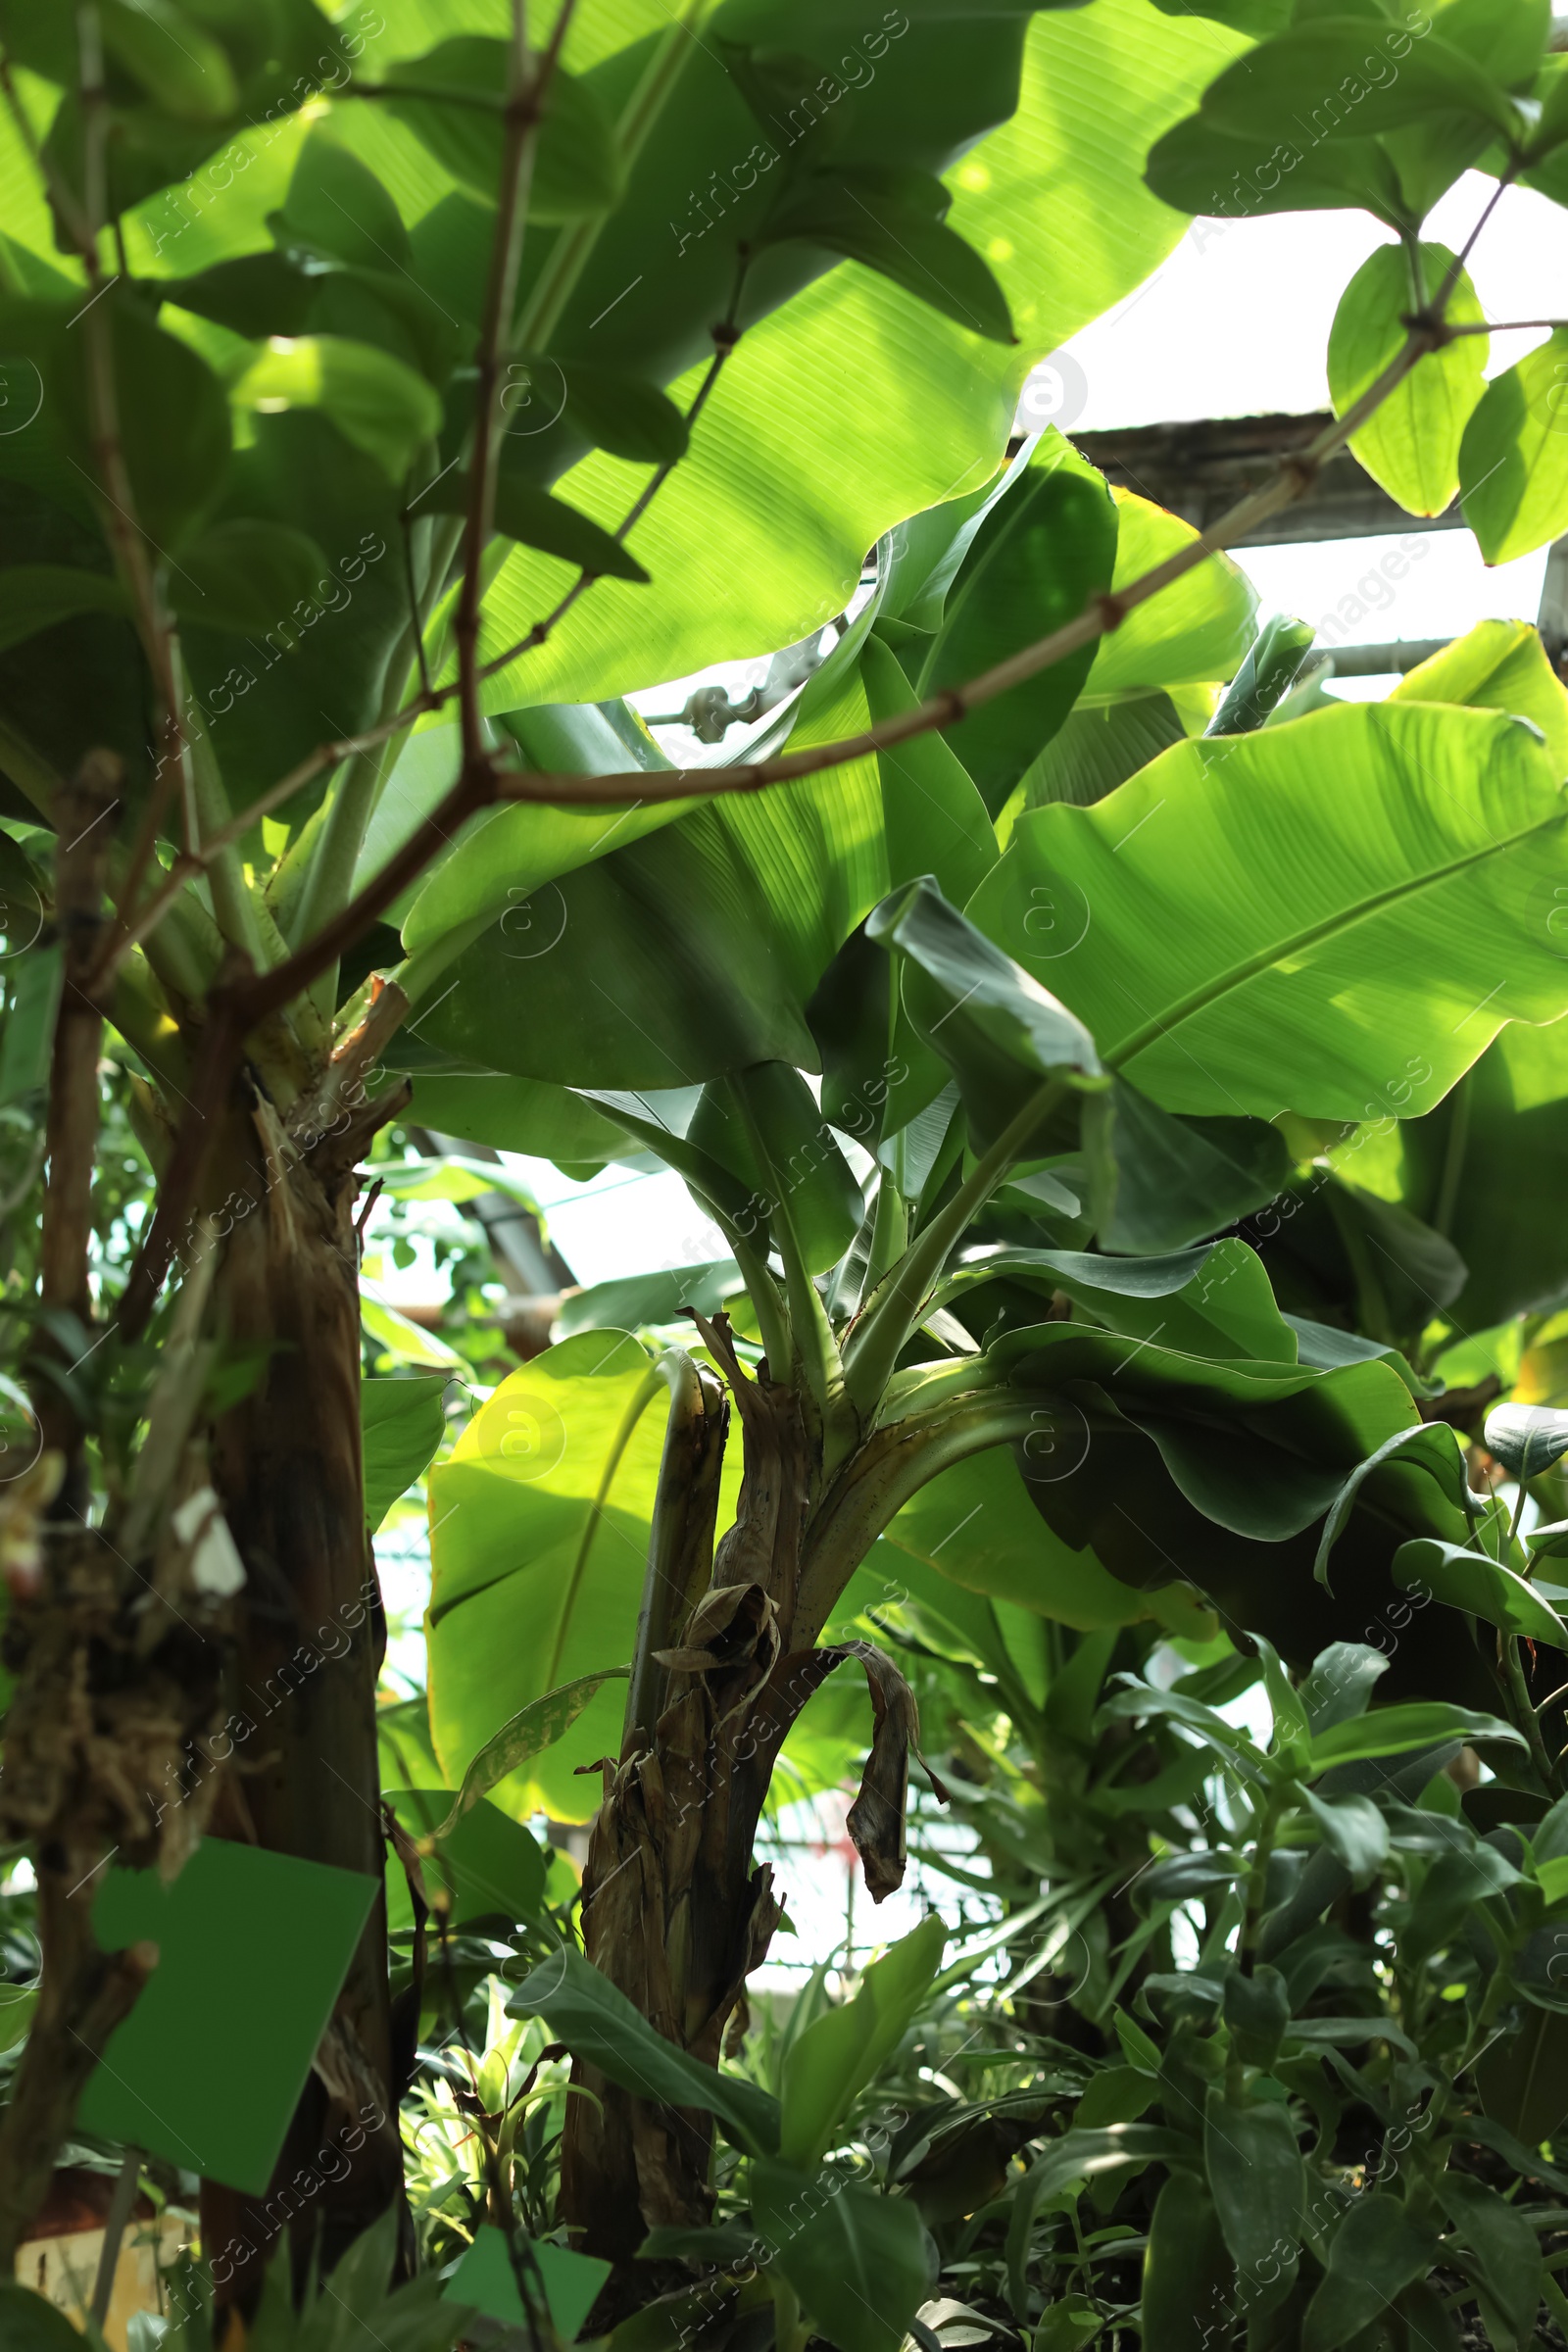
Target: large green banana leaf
[(1498, 665), (837, 417), (1219, 1472), (1301, 917), (857, 406), (1193, 632), (977, 1529), (538, 1542), (1489, 1167), (696, 950)]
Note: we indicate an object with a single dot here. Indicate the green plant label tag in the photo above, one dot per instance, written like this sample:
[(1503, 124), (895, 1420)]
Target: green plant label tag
[(253, 1949), (486, 2279)]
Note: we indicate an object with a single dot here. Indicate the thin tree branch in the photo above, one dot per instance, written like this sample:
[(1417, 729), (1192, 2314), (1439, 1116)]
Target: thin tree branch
[(524, 114), (574, 247), (244, 1002), (1455, 268), (475, 787), (412, 589), (1502, 327)]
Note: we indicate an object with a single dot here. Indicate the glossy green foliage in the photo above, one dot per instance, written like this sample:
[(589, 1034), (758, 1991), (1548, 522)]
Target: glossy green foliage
[(540, 1521), (603, 2025), (1245, 911), (1189, 1094), (1513, 468), (719, 925), (1043, 553), (401, 1424), (483, 1867), (863, 2263), (1356, 105), (830, 2064), (1411, 442)]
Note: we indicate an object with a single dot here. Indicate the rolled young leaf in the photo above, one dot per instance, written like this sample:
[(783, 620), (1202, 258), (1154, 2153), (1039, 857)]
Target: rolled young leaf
[(1271, 668)]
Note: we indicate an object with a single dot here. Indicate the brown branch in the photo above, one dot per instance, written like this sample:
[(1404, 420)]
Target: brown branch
[(118, 501), (523, 115), (475, 788), (124, 530), (481, 786)]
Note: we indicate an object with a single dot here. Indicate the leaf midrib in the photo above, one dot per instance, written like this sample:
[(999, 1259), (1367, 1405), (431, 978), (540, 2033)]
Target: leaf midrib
[(1198, 1000)]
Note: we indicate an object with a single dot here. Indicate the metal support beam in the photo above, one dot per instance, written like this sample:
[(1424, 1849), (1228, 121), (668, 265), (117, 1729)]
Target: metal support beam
[(1200, 469)]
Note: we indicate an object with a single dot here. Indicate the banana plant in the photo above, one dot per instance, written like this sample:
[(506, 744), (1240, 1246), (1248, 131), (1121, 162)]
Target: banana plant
[(309, 722), (304, 318), (889, 1352)]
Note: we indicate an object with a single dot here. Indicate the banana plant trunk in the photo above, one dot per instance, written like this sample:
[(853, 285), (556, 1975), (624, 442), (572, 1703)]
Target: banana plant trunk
[(676, 1913), (301, 1736)]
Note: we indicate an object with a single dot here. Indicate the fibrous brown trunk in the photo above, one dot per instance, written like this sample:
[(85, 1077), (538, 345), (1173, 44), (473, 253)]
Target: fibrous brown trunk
[(675, 1913), (304, 1777)]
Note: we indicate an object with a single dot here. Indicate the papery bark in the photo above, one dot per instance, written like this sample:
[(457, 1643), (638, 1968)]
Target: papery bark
[(676, 1913), (310, 1638)]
